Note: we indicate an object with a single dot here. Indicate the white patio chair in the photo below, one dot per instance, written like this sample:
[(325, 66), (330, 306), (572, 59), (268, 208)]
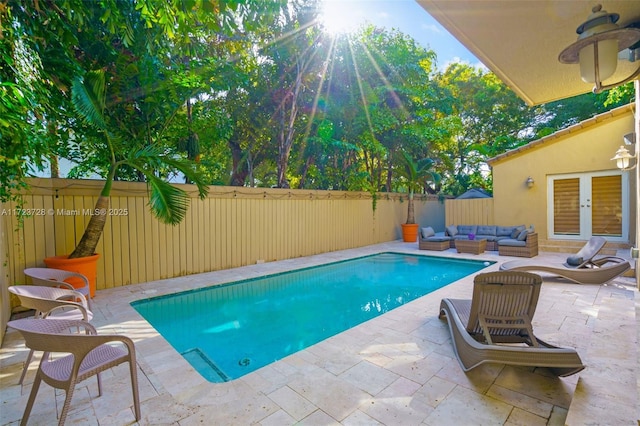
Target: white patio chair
[(90, 354), (53, 303), (57, 278)]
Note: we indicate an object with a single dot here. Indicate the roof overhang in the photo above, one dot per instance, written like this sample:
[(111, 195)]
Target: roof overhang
[(520, 40)]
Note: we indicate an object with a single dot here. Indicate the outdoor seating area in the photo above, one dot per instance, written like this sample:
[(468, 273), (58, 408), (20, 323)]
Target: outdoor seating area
[(517, 241), (399, 368)]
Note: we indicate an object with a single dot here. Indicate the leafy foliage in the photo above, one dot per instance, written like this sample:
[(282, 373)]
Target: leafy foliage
[(248, 92)]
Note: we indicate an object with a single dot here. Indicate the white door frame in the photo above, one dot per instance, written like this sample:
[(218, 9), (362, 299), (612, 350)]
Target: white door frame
[(585, 202)]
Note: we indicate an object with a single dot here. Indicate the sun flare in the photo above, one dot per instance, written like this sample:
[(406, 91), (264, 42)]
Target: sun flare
[(342, 16)]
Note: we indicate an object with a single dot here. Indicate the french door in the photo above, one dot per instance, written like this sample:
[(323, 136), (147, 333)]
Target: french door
[(586, 204)]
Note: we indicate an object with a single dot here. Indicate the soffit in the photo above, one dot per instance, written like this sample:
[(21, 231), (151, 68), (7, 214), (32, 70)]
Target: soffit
[(520, 40)]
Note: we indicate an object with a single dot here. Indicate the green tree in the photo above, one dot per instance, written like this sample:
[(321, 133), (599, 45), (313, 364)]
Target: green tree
[(415, 176), (492, 119)]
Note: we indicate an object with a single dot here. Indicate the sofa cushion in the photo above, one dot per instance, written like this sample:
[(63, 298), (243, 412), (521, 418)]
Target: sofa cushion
[(504, 231), (523, 235), (452, 230), (467, 229), (438, 238), (427, 232), (486, 230), (511, 242)]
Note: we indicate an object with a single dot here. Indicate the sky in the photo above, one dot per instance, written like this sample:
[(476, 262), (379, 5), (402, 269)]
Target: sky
[(406, 16)]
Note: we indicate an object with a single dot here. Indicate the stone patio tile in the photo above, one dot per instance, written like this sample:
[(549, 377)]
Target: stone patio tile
[(479, 379), (358, 418), (279, 418), (549, 388), (369, 377), (243, 411), (464, 406), (558, 416), (319, 418), (521, 401), (296, 406), (520, 417), (335, 397), (435, 391)]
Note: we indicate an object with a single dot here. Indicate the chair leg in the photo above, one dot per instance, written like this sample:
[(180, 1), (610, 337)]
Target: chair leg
[(67, 402), (26, 366), (134, 388), (32, 398), (99, 384)]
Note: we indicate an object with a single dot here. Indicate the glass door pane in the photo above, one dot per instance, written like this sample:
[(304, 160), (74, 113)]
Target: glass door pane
[(606, 212), (566, 206)]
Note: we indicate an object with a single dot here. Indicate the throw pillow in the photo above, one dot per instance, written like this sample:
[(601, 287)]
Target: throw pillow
[(522, 235), (574, 260), (516, 231), (428, 232), (452, 230)]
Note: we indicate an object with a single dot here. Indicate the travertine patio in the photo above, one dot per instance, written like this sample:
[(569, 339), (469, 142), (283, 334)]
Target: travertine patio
[(398, 369)]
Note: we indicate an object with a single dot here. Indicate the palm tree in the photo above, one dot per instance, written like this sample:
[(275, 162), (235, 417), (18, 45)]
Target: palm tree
[(168, 203), (415, 175)]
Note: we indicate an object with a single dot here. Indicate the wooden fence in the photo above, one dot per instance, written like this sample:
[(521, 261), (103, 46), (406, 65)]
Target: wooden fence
[(231, 227), (476, 211)]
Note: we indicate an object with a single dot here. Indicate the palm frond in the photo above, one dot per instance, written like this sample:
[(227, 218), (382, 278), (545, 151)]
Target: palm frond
[(88, 96), (189, 170), (168, 203), (155, 157)]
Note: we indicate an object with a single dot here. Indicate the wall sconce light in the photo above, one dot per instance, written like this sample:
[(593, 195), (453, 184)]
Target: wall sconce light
[(623, 158), (530, 182), (599, 41)]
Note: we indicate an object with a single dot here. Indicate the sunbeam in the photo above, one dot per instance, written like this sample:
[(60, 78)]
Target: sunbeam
[(341, 16)]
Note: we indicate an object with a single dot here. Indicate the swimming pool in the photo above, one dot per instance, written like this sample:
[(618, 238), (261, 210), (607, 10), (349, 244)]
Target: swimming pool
[(226, 331)]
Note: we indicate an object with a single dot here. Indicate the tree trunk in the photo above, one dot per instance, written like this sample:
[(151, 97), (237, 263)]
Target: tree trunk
[(89, 242), (239, 173), (287, 132), (411, 216), (55, 169), (93, 232), (305, 170)]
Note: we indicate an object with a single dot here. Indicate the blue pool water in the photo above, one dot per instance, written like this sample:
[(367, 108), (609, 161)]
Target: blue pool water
[(227, 331)]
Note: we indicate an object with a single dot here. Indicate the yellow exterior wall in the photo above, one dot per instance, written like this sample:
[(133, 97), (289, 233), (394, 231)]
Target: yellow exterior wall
[(585, 147)]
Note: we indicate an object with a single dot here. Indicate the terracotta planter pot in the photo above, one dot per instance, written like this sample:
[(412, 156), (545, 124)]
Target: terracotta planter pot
[(409, 232), (87, 266)]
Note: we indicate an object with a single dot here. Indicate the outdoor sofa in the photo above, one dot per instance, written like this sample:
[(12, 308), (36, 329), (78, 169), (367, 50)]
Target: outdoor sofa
[(507, 240)]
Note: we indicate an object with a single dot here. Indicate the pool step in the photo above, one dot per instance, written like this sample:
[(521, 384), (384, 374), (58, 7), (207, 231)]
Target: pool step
[(202, 363)]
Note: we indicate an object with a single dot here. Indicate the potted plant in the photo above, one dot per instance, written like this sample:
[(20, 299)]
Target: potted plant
[(168, 203), (414, 174)]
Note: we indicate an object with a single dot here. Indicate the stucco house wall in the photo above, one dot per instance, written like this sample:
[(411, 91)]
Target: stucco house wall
[(585, 147)]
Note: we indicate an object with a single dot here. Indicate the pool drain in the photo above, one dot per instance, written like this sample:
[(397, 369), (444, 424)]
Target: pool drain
[(244, 362)]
